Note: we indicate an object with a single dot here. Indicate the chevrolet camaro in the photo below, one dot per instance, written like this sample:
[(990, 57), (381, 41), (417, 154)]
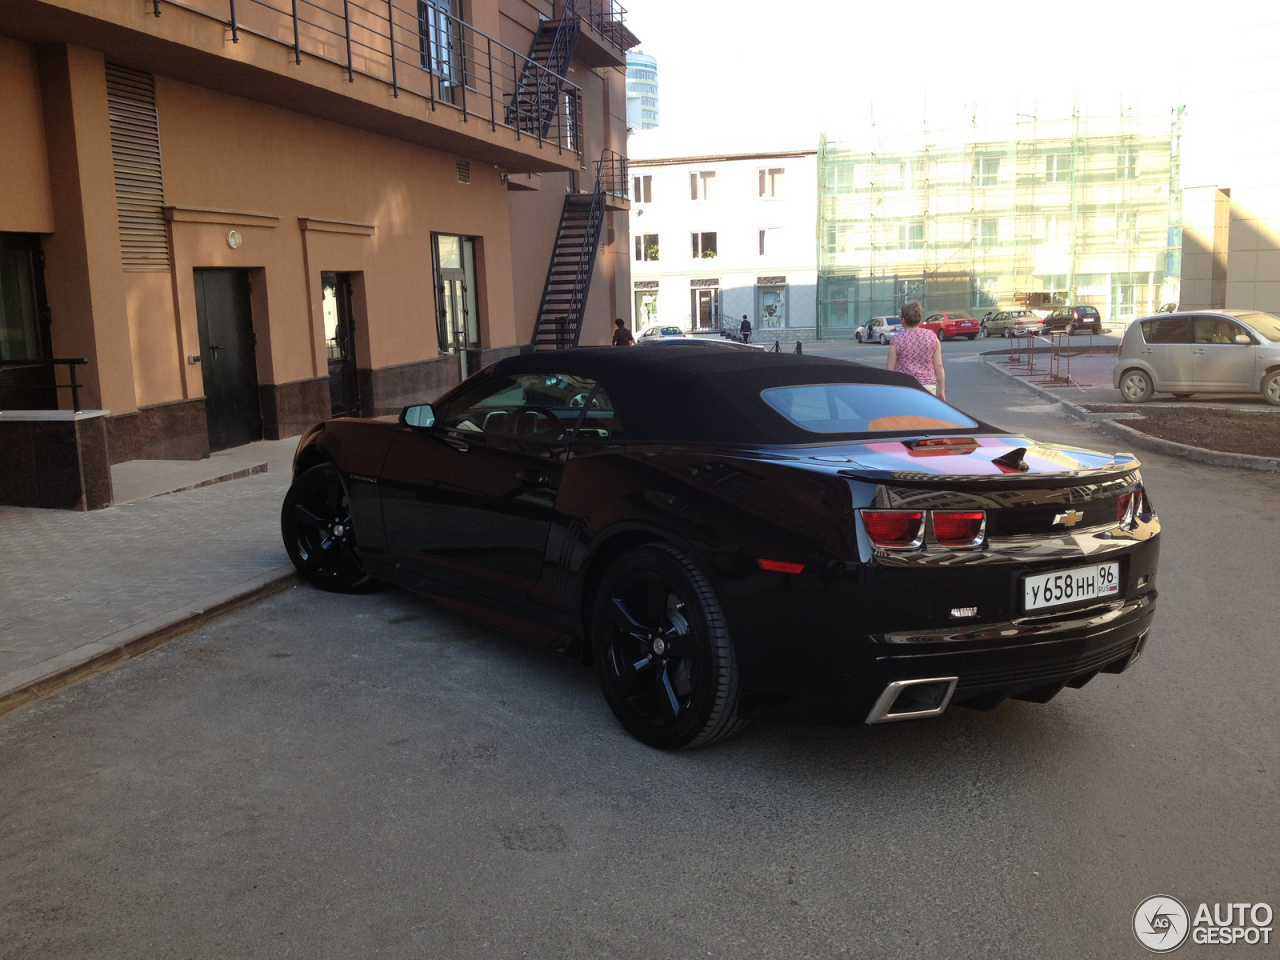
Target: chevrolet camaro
[(717, 529)]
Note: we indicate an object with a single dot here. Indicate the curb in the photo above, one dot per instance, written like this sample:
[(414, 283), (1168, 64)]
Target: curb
[(39, 681), (1145, 441)]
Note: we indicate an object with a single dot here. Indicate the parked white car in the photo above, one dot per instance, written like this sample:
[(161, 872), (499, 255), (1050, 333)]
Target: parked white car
[(879, 330), (1209, 351)]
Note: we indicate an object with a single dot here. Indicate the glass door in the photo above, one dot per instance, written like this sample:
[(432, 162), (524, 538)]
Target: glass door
[(339, 339), (706, 308), (457, 319)]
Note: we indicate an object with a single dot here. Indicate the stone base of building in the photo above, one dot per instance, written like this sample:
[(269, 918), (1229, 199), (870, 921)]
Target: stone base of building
[(290, 408), (55, 459), (161, 431)]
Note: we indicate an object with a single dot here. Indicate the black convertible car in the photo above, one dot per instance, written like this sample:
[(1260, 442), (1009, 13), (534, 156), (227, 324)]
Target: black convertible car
[(715, 528)]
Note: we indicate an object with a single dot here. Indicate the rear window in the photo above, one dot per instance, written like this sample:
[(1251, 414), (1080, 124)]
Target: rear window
[(1170, 330), (1087, 311), (864, 408)]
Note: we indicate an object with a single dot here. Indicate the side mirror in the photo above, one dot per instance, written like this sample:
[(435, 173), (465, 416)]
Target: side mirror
[(418, 415), (1243, 338)]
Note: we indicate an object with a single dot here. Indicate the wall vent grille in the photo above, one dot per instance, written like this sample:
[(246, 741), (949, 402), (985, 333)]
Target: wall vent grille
[(135, 152), (464, 171)]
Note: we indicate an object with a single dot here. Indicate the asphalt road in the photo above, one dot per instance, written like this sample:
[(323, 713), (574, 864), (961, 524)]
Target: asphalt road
[(324, 776)]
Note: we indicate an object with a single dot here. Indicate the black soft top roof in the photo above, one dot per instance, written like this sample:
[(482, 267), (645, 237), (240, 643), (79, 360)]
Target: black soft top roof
[(705, 394)]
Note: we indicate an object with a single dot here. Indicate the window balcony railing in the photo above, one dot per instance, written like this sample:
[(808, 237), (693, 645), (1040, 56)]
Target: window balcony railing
[(607, 18), (414, 47), (611, 174)]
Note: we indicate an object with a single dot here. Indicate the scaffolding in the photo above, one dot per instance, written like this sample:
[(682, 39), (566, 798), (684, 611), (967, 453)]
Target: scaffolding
[(1039, 214)]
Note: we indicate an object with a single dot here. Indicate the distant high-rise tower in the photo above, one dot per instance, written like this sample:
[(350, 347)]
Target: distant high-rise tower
[(642, 91)]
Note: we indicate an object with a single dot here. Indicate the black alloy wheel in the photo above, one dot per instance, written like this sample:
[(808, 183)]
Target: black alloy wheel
[(318, 535), (663, 652)]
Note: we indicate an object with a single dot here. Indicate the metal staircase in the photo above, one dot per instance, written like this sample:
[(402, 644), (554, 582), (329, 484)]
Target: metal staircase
[(537, 96), (573, 258)]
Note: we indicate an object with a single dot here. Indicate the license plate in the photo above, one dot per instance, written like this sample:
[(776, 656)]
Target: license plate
[(1097, 581)]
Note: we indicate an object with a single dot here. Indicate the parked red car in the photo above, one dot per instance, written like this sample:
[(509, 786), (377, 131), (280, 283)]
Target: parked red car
[(952, 323)]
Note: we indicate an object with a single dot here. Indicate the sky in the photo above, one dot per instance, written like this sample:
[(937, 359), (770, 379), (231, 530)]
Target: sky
[(751, 74)]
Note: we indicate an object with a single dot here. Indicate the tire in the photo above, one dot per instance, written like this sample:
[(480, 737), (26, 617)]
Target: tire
[(858, 335), (662, 651), (985, 332), (971, 337), (1136, 387), (1007, 333), (315, 522), (884, 340), (1271, 388)]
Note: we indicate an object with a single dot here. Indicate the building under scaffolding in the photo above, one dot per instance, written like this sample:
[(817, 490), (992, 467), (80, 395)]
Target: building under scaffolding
[(1063, 212)]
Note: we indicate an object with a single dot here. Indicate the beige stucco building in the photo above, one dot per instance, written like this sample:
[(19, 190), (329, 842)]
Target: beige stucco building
[(250, 216)]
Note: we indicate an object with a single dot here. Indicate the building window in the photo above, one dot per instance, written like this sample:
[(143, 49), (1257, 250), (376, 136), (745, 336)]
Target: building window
[(704, 245), (1055, 229), (646, 246), (1127, 165), (1126, 226), (986, 171), (702, 185), (1057, 167), (988, 233), (646, 309), (911, 235), (643, 192), (771, 182), (771, 307)]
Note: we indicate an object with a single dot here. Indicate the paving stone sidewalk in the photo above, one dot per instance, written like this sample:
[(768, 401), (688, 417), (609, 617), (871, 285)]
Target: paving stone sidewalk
[(75, 586)]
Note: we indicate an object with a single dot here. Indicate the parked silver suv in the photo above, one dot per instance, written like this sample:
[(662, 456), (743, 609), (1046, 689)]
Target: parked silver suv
[(1210, 351)]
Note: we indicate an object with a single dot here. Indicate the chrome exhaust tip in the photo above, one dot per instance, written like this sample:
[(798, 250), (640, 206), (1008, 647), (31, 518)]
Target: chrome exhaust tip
[(913, 699)]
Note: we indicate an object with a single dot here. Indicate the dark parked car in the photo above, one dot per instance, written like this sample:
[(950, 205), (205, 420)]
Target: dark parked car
[(715, 528), (1074, 319)]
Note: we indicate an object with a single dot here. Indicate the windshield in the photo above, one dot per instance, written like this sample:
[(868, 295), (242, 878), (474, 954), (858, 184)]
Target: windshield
[(864, 408), (1264, 323)]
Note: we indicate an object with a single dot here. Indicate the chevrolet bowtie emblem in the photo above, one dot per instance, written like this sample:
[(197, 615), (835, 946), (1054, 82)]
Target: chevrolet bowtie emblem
[(1070, 518)]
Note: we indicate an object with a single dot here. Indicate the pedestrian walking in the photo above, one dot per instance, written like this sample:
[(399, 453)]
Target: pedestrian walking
[(744, 329), (621, 335), (918, 351)]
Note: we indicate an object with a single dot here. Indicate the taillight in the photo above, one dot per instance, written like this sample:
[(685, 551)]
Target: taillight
[(959, 529), (1130, 506), (895, 529), (1075, 314), (1124, 510)]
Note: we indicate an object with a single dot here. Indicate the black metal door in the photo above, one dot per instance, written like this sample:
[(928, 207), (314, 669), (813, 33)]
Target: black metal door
[(228, 357), (339, 335)]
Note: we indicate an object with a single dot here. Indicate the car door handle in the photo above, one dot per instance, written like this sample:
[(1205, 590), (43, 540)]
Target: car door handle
[(533, 477), (1199, 350)]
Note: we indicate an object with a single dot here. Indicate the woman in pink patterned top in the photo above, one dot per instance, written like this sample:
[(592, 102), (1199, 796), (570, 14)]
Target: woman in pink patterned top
[(917, 351)]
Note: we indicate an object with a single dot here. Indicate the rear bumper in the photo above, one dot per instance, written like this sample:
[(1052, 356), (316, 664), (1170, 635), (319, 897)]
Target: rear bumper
[(1028, 659), (1033, 661)]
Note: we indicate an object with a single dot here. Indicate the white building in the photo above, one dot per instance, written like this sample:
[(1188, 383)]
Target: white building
[(642, 91), (716, 237)]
